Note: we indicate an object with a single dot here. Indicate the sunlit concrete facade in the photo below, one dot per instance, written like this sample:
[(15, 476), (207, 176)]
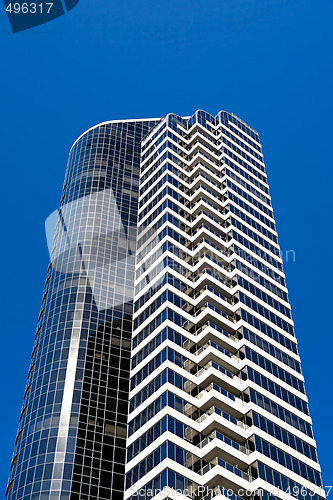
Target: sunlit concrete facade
[(217, 398)]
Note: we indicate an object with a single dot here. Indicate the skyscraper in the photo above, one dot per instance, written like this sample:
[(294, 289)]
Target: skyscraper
[(72, 432), (165, 251)]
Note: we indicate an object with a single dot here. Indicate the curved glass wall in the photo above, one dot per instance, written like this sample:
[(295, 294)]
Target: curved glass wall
[(72, 431)]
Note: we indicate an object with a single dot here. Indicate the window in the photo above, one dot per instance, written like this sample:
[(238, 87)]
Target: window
[(10, 487), (24, 411), (14, 461), (27, 391), (19, 436)]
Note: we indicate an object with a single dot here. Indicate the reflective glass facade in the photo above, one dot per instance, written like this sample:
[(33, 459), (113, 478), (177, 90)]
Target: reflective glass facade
[(165, 318), (72, 432)]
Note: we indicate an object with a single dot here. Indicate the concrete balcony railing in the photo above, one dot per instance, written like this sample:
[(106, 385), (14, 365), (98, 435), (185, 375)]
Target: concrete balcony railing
[(217, 223), (192, 205), (235, 470), (192, 193), (221, 248), (214, 169), (209, 324), (228, 267), (225, 224), (216, 366), (210, 169), (217, 347), (207, 308), (206, 288), (217, 411), (193, 233), (235, 357), (221, 390), (225, 439), (230, 283)]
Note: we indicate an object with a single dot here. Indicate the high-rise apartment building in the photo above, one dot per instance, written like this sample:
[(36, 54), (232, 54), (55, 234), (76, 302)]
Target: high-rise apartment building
[(165, 318)]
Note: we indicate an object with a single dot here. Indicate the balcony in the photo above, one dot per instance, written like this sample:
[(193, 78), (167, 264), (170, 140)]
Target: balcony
[(222, 236), (216, 366), (218, 435), (235, 337), (193, 193), (217, 411), (220, 248), (208, 344), (230, 422), (221, 390), (206, 271), (206, 288), (208, 308), (247, 475)]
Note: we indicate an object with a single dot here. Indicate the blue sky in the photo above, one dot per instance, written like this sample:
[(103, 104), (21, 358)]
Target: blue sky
[(267, 61)]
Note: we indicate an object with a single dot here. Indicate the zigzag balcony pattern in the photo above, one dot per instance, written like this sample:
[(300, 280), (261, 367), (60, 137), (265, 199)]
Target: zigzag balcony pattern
[(217, 396)]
